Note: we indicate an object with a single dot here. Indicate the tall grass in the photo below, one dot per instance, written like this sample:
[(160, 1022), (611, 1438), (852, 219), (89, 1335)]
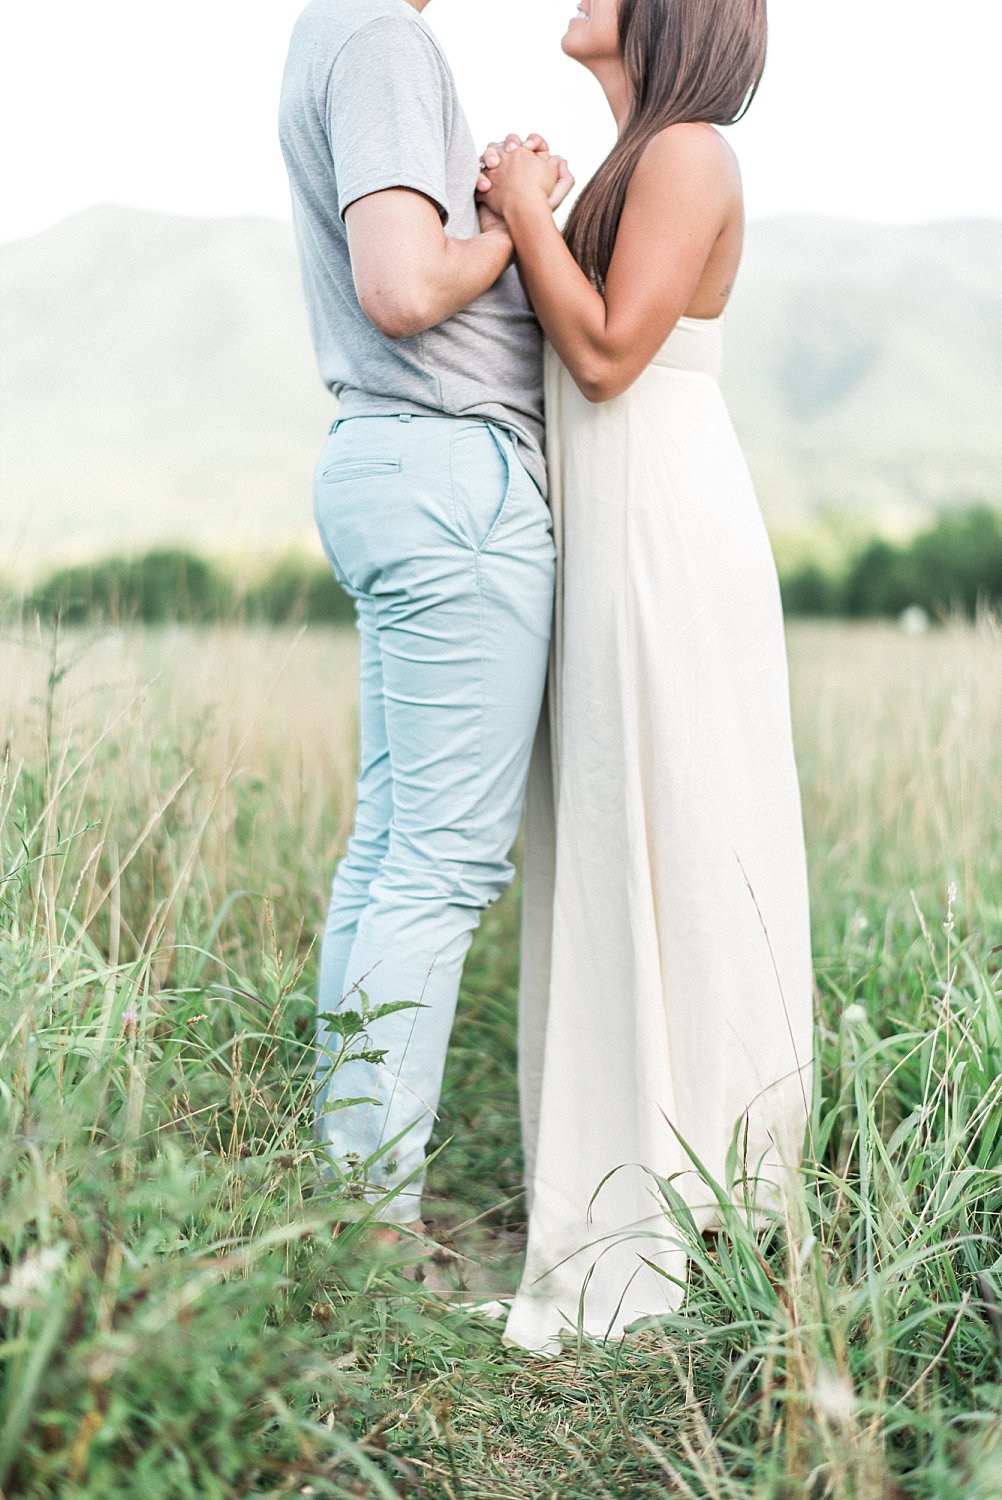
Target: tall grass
[(177, 1318)]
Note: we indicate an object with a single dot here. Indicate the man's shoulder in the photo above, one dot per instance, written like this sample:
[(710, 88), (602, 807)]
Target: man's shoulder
[(330, 24)]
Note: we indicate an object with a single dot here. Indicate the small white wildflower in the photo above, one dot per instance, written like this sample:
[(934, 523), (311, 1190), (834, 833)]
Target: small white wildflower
[(854, 1015), (951, 897), (130, 1021), (30, 1278), (914, 620), (104, 1365), (834, 1396), (107, 1362), (804, 1249)]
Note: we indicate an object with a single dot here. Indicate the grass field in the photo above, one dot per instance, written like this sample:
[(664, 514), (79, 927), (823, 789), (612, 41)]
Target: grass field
[(176, 1317)]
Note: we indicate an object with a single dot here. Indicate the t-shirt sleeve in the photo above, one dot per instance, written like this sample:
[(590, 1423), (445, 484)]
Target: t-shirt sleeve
[(389, 113)]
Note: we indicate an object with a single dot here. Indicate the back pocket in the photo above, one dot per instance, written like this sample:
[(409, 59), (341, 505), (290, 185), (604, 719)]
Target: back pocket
[(359, 468)]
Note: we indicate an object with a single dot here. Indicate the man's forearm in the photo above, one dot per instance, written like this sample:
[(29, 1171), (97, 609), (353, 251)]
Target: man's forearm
[(409, 275), (466, 270)]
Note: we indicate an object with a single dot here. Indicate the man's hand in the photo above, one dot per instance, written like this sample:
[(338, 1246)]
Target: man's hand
[(490, 222), (491, 158)]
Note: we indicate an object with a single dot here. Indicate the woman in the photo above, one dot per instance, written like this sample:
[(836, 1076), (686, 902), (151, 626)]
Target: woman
[(666, 986)]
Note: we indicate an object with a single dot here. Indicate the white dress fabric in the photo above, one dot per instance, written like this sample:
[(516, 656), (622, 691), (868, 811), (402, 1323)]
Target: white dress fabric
[(666, 971)]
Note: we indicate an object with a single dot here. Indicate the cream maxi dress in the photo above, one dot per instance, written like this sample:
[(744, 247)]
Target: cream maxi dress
[(666, 972)]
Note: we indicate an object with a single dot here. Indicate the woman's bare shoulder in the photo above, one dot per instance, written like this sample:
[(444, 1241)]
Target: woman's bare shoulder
[(694, 148)]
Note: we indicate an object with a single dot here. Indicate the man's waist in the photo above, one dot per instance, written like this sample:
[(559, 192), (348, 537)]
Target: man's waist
[(525, 429), (354, 402)]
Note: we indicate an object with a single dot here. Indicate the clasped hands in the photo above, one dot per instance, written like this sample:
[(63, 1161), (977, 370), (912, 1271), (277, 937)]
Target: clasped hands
[(513, 169)]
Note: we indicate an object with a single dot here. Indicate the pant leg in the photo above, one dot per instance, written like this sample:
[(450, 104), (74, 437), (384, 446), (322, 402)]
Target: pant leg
[(453, 549), (364, 855)]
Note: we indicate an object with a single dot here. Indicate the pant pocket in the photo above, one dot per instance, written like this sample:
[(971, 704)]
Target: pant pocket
[(358, 468), (480, 480), (354, 474)]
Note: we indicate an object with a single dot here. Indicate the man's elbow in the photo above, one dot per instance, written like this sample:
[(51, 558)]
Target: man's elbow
[(398, 314)]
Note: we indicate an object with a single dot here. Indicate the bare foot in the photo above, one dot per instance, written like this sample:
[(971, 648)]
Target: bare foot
[(410, 1239), (392, 1234), (438, 1269)]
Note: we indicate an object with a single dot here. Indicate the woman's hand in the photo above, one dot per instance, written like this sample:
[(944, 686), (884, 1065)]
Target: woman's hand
[(551, 170), (519, 176)]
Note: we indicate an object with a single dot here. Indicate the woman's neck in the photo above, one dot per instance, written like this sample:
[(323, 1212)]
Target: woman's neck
[(611, 74)]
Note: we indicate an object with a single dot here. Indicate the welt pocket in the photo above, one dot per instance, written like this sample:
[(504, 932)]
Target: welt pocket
[(360, 468)]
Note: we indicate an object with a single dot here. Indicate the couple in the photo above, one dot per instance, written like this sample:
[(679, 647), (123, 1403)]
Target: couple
[(624, 638)]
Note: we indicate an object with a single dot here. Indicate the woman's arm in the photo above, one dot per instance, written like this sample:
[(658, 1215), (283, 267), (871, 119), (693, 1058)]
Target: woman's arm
[(682, 195)]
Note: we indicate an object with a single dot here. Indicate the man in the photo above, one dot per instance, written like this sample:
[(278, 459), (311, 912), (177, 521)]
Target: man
[(429, 498)]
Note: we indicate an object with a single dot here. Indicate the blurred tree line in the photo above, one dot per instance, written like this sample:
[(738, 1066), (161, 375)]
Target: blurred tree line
[(954, 565), (172, 584)]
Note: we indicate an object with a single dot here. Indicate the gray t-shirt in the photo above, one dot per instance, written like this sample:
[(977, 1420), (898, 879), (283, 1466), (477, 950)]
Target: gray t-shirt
[(368, 102)]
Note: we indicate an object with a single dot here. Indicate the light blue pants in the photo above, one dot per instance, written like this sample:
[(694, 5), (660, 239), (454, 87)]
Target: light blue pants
[(444, 540)]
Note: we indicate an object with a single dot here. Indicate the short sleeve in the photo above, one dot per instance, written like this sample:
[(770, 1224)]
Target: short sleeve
[(389, 104)]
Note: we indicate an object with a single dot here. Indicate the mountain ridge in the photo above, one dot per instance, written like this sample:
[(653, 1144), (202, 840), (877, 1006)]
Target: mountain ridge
[(157, 380)]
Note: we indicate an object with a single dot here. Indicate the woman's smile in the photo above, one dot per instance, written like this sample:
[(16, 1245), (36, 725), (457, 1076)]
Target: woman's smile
[(592, 34)]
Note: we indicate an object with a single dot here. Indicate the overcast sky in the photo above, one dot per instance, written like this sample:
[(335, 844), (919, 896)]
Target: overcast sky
[(880, 109)]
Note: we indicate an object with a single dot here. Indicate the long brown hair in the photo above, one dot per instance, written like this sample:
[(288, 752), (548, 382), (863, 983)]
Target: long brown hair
[(686, 61)]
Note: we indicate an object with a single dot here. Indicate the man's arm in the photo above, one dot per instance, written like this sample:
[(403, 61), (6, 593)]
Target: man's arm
[(409, 275)]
